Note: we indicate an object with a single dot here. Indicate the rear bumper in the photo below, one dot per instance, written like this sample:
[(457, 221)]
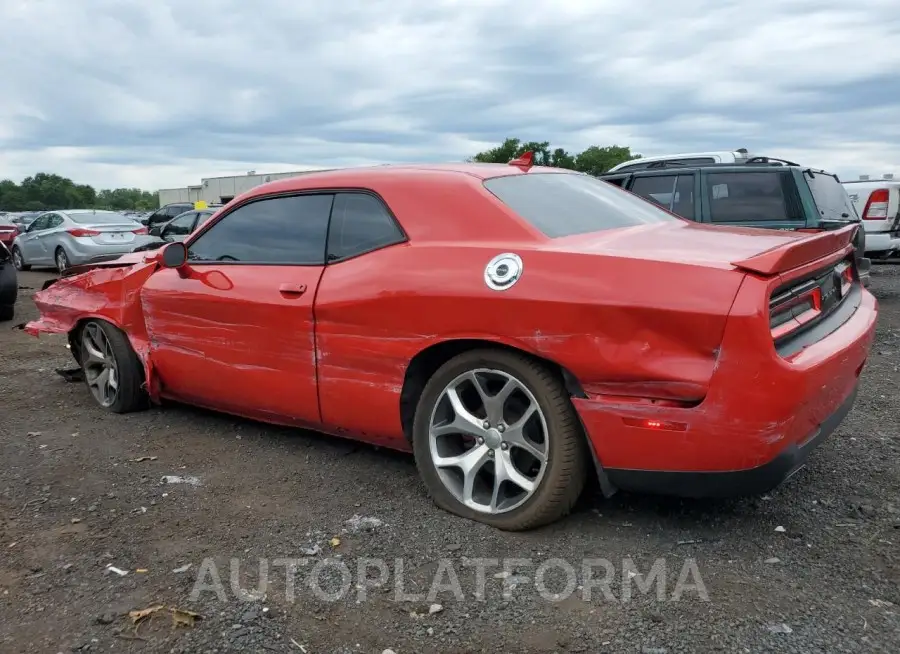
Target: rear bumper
[(753, 481), (80, 252), (882, 242), (761, 417)]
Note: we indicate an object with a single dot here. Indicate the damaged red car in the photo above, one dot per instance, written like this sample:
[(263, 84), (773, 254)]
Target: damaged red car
[(517, 328)]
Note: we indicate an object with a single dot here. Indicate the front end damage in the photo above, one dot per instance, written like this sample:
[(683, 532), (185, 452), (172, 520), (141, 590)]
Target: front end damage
[(108, 291)]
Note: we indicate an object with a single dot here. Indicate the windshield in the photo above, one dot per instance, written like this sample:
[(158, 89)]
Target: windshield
[(100, 218), (565, 204), (831, 197)]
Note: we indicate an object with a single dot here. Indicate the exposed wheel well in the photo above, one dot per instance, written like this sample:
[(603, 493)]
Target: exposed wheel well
[(427, 362)]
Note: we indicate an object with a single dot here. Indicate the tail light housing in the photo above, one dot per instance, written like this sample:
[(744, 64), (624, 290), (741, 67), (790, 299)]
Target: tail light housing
[(799, 305), (877, 205), (140, 230), (80, 231)]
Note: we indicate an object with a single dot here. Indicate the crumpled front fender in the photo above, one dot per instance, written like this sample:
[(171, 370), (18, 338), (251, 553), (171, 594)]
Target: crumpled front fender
[(111, 294)]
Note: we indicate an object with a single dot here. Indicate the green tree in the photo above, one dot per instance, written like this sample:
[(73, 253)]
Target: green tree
[(45, 191), (597, 160), (594, 160)]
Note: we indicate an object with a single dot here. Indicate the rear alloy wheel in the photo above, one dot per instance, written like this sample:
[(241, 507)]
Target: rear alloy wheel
[(62, 260), (497, 440), (112, 371), (19, 260)]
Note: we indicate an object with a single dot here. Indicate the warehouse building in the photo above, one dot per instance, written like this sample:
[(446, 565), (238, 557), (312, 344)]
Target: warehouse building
[(219, 190)]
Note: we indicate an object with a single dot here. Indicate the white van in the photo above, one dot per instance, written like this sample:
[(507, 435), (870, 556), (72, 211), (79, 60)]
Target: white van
[(738, 156), (877, 201)]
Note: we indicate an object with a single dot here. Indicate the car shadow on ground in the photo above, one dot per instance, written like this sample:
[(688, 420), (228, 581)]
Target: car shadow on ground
[(622, 509)]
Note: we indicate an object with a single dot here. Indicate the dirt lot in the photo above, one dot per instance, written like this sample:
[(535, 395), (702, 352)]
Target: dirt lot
[(814, 567)]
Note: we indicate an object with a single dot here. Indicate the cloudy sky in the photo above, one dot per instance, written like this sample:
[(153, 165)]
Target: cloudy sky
[(158, 93)]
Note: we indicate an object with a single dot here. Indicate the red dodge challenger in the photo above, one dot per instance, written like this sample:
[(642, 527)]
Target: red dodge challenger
[(517, 328)]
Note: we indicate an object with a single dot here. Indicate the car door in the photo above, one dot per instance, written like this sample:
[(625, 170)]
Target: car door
[(29, 242), (49, 237), (362, 237), (234, 329)]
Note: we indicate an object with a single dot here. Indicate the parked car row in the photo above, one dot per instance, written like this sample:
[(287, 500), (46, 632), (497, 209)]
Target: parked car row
[(517, 328)]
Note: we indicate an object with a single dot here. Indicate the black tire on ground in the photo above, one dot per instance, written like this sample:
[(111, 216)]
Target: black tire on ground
[(131, 395), (19, 260), (566, 472), (7, 311), (61, 259)]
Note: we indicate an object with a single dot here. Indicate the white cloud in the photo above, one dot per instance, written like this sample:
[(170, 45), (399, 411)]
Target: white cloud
[(158, 93)]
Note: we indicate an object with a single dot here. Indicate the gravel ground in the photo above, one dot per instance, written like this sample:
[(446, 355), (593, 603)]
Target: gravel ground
[(813, 567)]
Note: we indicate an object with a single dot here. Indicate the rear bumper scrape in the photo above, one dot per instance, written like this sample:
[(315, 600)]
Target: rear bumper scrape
[(736, 483)]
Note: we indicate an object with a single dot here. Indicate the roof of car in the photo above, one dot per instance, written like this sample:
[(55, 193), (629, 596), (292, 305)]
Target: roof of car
[(363, 177)]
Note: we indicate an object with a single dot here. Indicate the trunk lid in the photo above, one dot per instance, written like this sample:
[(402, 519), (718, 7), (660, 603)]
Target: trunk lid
[(763, 251), (116, 234)]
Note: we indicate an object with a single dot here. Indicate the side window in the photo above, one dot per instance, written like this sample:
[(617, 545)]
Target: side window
[(177, 210), (656, 188), (683, 202), (284, 230), (360, 223), (180, 226), (55, 221), (39, 223), (748, 197)]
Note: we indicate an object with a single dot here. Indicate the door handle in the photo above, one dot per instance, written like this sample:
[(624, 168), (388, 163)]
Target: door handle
[(292, 289)]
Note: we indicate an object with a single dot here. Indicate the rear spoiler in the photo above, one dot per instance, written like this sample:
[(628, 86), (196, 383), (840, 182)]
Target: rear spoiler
[(797, 253)]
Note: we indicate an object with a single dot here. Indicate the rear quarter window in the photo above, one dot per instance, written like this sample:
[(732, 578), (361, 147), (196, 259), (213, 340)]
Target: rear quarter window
[(830, 197), (566, 204), (753, 197)]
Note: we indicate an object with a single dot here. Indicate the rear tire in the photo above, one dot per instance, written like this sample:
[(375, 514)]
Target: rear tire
[(7, 312), (509, 454), (19, 260), (106, 354)]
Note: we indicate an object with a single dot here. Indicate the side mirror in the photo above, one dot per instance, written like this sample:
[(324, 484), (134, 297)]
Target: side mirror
[(173, 255), (155, 231)]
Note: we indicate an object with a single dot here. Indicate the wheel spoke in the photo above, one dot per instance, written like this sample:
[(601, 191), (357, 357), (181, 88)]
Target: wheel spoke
[(515, 436), (463, 421), (474, 463), (495, 404), (95, 356), (506, 471)]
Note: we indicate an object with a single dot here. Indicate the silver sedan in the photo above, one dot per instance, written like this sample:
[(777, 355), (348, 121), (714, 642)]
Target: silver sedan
[(76, 236)]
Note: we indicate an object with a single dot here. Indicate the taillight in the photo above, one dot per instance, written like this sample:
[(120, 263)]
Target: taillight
[(140, 230), (793, 309), (877, 205), (78, 232)]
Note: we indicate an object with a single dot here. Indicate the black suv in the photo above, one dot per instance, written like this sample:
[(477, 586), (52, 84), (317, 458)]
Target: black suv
[(165, 213), (761, 192)]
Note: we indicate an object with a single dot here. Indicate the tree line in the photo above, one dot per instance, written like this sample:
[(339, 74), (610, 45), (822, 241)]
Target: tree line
[(47, 192), (594, 160)]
